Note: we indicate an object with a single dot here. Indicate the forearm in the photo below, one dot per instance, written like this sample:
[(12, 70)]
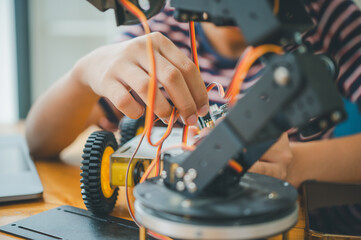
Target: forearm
[(59, 115), (337, 160)]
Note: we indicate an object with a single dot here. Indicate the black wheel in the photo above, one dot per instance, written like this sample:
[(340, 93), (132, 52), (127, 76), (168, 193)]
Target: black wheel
[(98, 195), (129, 128), (138, 172)]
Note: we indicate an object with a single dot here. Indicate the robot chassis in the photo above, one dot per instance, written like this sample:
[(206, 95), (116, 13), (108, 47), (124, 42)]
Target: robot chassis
[(197, 195)]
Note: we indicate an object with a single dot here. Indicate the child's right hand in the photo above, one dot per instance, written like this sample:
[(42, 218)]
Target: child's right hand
[(113, 71)]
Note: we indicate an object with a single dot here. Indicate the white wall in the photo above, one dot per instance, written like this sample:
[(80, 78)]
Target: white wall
[(8, 83), (62, 31)]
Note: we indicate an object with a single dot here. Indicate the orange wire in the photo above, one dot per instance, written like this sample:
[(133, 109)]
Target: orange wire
[(236, 166), (238, 68), (192, 34), (149, 116), (126, 178), (243, 68), (276, 7), (157, 165), (185, 134), (193, 42), (219, 86)]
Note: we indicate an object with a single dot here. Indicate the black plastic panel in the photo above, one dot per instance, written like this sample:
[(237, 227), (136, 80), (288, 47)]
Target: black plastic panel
[(69, 223)]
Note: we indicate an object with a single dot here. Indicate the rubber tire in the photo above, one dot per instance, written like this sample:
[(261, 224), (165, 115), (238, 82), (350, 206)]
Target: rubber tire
[(128, 128), (92, 193)]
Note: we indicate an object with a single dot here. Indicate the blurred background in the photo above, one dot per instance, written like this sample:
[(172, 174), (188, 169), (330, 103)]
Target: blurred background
[(40, 40)]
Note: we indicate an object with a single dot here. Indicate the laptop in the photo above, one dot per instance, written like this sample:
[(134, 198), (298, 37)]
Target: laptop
[(19, 179)]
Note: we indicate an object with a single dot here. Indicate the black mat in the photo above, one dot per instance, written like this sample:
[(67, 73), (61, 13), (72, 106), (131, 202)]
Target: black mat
[(69, 223)]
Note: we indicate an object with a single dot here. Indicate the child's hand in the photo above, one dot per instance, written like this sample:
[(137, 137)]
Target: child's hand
[(276, 160), (114, 71)]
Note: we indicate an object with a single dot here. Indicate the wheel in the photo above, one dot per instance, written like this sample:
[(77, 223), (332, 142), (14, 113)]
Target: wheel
[(130, 128), (98, 195), (138, 172)]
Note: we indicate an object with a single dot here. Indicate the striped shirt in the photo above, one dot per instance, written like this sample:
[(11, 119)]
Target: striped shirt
[(337, 32)]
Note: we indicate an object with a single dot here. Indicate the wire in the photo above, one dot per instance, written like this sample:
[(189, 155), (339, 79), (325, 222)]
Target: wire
[(185, 134), (243, 67), (219, 86), (192, 34), (236, 166), (276, 7), (149, 116), (182, 146), (130, 210)]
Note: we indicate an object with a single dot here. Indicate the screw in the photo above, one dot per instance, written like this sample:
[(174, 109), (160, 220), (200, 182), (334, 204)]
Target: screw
[(205, 16), (298, 38), (179, 172), (187, 178), (163, 174), (272, 195), (192, 173), (336, 116), (323, 124), (281, 76), (180, 186), (302, 49), (192, 187)]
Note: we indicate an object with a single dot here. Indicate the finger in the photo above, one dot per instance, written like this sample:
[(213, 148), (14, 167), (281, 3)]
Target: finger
[(188, 69), (138, 80), (173, 82), (118, 94), (269, 169), (117, 113)]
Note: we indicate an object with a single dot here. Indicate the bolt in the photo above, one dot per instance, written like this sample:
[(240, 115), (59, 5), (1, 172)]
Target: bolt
[(336, 116), (298, 38), (163, 174), (192, 173), (179, 172), (281, 76), (144, 4), (272, 195), (187, 178), (323, 124), (302, 49), (180, 186), (286, 184), (192, 187), (205, 16)]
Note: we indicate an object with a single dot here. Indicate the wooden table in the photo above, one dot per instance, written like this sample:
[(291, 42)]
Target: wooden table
[(61, 182)]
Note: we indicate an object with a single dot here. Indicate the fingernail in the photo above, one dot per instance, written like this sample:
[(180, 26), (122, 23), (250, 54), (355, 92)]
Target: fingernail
[(192, 120), (203, 110)]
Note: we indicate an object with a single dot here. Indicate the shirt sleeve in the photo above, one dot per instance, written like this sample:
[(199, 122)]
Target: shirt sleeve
[(338, 33)]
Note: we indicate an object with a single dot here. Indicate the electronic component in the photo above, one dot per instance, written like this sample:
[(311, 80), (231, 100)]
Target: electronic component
[(215, 113)]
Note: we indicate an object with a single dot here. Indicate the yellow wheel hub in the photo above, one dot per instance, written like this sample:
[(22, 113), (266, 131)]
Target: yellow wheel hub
[(105, 173)]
